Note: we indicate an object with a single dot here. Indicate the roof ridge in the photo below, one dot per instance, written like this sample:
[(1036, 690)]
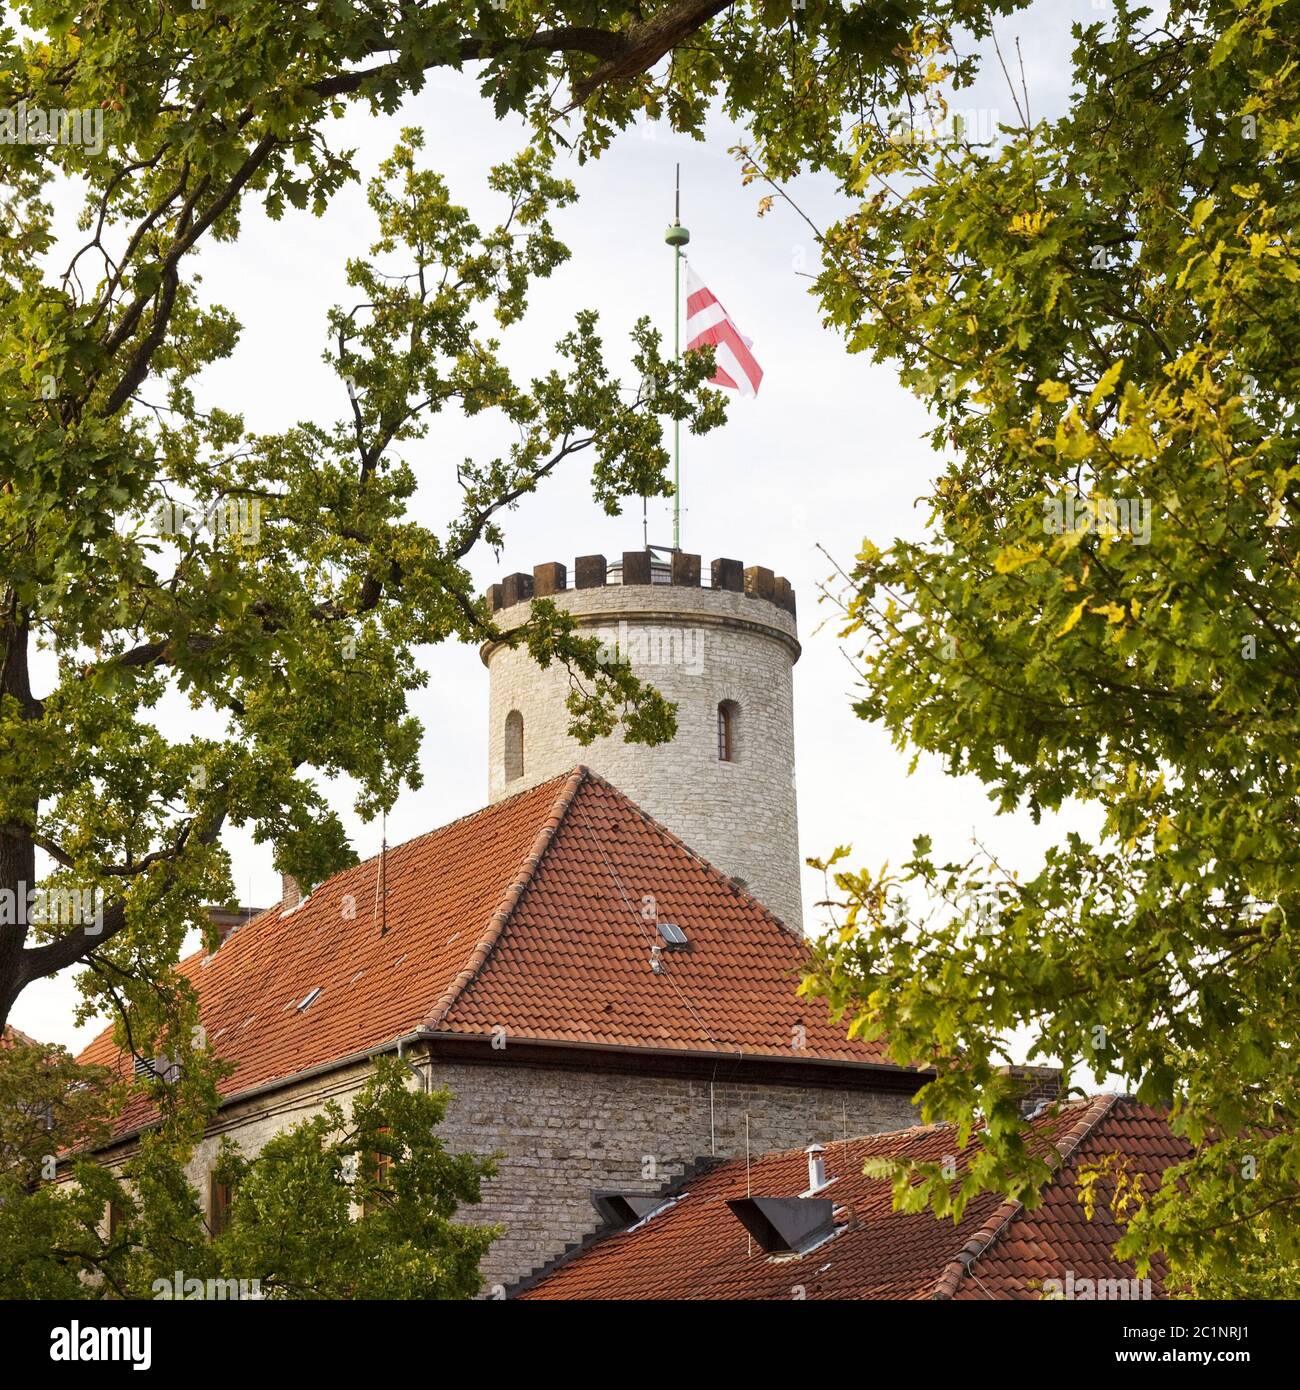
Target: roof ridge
[(1005, 1213), (879, 1135), (278, 906), (438, 829), (496, 923)]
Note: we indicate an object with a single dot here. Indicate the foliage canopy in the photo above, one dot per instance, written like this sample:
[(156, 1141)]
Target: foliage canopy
[(1101, 312)]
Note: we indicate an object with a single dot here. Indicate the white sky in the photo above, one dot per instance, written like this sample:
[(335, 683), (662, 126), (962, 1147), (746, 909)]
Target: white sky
[(830, 451)]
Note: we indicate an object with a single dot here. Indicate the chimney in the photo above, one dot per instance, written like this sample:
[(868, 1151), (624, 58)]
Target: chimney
[(1035, 1086), (290, 893), (226, 919), (816, 1167)]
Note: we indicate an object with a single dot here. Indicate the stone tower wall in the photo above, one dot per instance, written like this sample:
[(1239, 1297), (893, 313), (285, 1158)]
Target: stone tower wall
[(733, 640)]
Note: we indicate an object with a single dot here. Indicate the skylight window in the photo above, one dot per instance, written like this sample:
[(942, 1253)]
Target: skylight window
[(309, 999), (672, 934)]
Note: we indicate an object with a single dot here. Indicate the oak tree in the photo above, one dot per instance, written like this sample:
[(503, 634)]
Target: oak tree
[(151, 549), (1101, 313)]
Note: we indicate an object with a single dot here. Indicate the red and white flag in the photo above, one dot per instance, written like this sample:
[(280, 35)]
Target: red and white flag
[(708, 322)]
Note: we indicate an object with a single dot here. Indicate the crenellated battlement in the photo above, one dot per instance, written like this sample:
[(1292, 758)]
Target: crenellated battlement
[(643, 567)]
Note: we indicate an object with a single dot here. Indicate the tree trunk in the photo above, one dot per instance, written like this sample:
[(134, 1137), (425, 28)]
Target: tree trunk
[(17, 850)]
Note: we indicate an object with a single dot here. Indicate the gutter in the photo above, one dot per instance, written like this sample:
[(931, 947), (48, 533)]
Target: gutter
[(691, 1054)]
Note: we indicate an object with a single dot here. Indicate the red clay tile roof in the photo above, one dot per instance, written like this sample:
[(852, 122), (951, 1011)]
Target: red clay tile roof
[(526, 915), (12, 1036), (1056, 1236), (697, 1249)]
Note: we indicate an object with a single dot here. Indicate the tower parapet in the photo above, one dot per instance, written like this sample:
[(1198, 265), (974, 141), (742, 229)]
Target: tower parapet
[(642, 567), (721, 645)]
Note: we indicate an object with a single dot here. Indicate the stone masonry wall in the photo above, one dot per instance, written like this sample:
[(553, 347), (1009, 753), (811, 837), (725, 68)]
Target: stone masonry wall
[(565, 1131), (698, 647)]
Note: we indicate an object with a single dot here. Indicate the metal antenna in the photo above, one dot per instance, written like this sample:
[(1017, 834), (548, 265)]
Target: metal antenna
[(677, 236), (749, 1187)]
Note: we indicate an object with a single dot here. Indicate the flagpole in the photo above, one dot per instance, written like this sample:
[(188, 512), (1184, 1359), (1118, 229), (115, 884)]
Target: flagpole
[(677, 236)]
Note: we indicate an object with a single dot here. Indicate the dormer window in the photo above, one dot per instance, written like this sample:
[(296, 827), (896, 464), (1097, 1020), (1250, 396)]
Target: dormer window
[(785, 1225)]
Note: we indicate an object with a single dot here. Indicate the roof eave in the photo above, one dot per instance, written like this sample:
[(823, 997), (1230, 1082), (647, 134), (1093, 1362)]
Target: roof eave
[(280, 1083), (737, 1056)]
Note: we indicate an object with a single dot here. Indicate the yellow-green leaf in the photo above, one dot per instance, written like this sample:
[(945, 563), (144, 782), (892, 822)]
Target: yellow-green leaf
[(1075, 614), (1112, 612), (1107, 383), (1015, 556)]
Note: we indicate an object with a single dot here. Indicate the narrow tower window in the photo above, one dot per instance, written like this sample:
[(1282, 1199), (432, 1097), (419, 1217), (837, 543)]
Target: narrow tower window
[(219, 1207), (514, 745), (728, 728)]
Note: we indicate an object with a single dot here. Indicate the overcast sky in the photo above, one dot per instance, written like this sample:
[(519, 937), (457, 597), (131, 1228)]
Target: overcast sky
[(831, 450)]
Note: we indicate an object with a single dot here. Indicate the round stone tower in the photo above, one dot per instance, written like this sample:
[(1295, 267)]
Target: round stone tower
[(722, 652)]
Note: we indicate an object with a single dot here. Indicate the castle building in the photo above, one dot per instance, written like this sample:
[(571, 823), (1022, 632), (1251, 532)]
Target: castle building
[(589, 964)]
